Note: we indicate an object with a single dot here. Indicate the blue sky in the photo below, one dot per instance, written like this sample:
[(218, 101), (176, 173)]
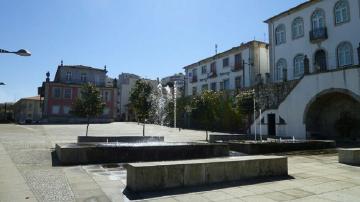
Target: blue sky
[(151, 38)]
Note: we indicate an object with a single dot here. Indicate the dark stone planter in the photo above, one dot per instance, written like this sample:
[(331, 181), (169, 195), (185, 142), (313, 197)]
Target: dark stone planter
[(276, 147), (92, 153), (232, 137), (129, 139)]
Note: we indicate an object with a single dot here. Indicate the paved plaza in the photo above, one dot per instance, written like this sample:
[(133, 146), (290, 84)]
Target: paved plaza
[(27, 172)]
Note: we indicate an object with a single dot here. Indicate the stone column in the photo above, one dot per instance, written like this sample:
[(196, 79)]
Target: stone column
[(284, 74), (358, 51), (306, 65)]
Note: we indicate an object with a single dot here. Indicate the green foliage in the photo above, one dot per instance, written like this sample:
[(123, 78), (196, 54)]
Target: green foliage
[(140, 99), (89, 104), (214, 111), (205, 108), (245, 106)]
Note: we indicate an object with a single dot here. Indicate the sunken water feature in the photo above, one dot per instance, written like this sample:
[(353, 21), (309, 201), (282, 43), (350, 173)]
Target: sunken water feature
[(129, 139), (266, 147), (119, 152)]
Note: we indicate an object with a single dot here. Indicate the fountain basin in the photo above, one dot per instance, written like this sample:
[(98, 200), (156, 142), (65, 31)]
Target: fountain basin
[(252, 147), (99, 153), (120, 139)]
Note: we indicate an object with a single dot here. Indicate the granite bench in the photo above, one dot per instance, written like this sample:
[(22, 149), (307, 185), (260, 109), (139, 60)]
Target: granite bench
[(349, 156), (156, 176)]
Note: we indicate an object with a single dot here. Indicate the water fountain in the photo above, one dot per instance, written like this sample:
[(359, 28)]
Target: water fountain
[(160, 98)]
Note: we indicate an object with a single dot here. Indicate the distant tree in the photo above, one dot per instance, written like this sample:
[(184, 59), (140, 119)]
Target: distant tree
[(140, 99), (89, 104), (245, 106), (205, 109)]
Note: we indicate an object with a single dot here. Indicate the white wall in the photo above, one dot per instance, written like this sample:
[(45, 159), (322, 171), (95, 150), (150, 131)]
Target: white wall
[(349, 32), (226, 73), (293, 107)]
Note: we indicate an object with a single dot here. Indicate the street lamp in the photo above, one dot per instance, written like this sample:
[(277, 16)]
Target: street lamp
[(2, 84), (21, 52)]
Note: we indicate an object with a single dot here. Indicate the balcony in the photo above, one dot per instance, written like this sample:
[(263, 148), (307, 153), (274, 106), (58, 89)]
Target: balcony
[(237, 67), (319, 34), (194, 79), (212, 74)]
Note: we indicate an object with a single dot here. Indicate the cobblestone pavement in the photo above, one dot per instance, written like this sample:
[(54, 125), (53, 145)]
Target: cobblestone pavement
[(27, 174)]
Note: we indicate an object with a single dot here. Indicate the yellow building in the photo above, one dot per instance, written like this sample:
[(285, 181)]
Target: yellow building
[(28, 110)]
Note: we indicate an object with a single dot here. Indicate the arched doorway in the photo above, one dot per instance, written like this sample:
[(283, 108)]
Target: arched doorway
[(333, 114), (320, 60)]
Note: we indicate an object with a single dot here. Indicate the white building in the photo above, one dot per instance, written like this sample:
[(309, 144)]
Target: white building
[(178, 78), (325, 102), (125, 84), (326, 31), (241, 66)]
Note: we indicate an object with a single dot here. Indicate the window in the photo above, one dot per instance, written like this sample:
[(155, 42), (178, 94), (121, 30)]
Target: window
[(66, 109), (68, 76), (342, 12), (226, 84), (221, 85), (344, 54), (30, 106), (55, 109), (225, 62), (194, 90), (67, 93), (213, 67), (299, 65), (204, 87), (318, 19), (107, 97), (203, 69), (83, 77), (213, 86), (238, 59), (280, 66), (297, 28), (56, 92), (238, 82), (280, 34), (194, 72)]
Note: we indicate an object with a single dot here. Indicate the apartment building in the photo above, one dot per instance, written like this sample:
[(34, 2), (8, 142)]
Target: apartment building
[(326, 32), (125, 84), (239, 67), (28, 110), (59, 94)]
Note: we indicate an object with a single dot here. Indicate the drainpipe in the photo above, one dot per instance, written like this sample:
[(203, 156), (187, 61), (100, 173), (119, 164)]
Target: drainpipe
[(358, 51)]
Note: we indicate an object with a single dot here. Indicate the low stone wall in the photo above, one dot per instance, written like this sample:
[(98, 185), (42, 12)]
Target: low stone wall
[(99, 153), (275, 147), (232, 137), (154, 176), (120, 139), (349, 156)]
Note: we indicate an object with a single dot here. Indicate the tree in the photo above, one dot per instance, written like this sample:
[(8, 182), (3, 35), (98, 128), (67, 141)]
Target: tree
[(89, 104), (140, 100), (205, 109), (245, 105)]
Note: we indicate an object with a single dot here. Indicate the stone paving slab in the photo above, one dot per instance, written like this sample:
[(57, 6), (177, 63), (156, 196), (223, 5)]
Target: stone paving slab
[(26, 170)]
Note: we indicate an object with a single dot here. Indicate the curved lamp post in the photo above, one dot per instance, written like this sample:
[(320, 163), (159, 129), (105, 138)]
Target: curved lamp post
[(2, 84), (21, 52)]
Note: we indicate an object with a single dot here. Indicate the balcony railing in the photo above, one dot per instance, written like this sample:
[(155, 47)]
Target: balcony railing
[(318, 34), (237, 67), (194, 79), (212, 74)]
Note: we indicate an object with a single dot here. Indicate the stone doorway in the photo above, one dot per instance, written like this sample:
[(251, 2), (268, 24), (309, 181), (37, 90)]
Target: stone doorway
[(333, 115)]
